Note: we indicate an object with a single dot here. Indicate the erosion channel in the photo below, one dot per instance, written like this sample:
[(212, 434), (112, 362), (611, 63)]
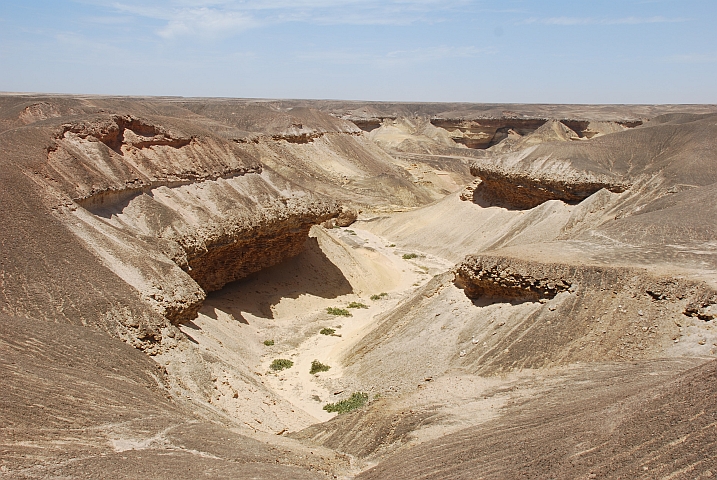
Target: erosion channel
[(312, 289)]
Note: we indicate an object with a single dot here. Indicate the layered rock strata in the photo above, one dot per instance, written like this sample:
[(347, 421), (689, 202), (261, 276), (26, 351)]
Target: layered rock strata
[(506, 278), (529, 177), (161, 199), (524, 190)]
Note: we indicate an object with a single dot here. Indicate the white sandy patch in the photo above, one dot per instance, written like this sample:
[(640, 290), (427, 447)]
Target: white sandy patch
[(371, 265)]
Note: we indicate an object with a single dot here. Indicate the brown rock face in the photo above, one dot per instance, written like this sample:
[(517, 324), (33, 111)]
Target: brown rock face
[(159, 195), (344, 219), (510, 279), (524, 190), (506, 278), (254, 249)]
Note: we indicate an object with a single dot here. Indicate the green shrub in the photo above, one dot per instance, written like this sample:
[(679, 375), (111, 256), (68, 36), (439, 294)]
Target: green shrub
[(357, 305), (268, 343), (351, 232), (392, 245), (356, 400), (317, 367), (281, 364), (379, 296), (408, 256), (327, 331), (341, 312)]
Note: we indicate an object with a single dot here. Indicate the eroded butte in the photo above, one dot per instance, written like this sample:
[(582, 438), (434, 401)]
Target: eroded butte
[(311, 289)]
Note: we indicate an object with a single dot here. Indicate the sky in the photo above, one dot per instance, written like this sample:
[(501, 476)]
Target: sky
[(511, 51)]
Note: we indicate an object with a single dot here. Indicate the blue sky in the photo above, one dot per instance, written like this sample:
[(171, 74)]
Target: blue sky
[(628, 51)]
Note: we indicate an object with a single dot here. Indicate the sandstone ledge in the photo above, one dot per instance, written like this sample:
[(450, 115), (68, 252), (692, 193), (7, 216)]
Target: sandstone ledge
[(524, 190), (512, 279)]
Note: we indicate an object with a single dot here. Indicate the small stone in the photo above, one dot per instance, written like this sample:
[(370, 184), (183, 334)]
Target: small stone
[(552, 308), (639, 312), (462, 353)]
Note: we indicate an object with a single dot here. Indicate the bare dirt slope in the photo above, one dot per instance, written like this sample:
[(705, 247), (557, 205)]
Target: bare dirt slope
[(79, 404), (604, 425), (529, 290)]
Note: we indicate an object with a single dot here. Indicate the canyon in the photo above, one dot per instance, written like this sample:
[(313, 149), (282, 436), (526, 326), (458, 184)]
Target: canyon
[(506, 290)]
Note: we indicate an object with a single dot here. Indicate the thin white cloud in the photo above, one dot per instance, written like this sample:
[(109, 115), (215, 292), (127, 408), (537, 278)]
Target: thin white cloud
[(225, 17), (569, 21), (206, 22)]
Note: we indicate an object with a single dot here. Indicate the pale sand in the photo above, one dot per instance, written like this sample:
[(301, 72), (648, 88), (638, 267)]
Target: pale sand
[(287, 304)]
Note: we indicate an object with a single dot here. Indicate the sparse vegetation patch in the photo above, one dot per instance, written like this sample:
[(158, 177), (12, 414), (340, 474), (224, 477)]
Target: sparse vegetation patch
[(341, 312), (408, 256), (356, 400), (281, 364), (327, 331), (268, 343), (317, 367), (379, 296), (357, 305)]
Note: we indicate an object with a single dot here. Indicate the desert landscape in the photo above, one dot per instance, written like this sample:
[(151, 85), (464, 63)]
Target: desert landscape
[(235, 288)]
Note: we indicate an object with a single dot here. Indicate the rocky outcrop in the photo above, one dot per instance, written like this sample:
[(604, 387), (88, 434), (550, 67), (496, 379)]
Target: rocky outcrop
[(507, 278), (346, 217), (125, 132), (37, 112), (486, 132), (216, 231), (523, 190), (519, 180), (468, 192), (236, 245), (503, 278), (103, 160), (175, 214)]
